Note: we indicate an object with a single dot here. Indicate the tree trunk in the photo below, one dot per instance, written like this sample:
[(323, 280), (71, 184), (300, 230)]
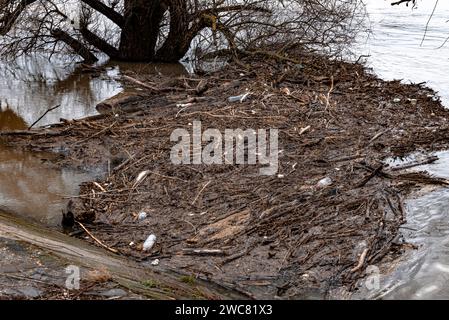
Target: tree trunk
[(140, 30), (76, 45), (177, 42)]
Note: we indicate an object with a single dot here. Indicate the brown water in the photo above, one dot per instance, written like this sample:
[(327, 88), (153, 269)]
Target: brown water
[(28, 186)]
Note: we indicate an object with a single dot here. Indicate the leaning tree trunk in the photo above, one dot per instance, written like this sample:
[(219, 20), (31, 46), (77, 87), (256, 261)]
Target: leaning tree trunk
[(142, 20)]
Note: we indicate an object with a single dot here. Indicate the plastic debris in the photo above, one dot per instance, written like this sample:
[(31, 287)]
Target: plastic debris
[(325, 182), (184, 105), (286, 91), (412, 101), (155, 262), (142, 216), (241, 98), (396, 100), (149, 243), (141, 177)]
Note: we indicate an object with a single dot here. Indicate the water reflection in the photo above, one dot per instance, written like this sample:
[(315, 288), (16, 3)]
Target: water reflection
[(422, 273), (395, 46), (29, 188), (77, 93), (27, 89), (30, 86), (9, 120), (427, 227)]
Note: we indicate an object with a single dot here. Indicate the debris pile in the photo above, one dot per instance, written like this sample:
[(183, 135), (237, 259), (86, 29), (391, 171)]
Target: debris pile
[(332, 209)]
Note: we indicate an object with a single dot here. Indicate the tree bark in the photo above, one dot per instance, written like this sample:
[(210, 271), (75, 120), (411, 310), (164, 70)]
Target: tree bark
[(140, 30), (108, 12), (75, 44), (99, 43), (177, 43)]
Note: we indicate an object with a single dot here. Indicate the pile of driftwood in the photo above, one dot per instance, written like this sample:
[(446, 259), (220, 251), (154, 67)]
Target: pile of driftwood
[(333, 208)]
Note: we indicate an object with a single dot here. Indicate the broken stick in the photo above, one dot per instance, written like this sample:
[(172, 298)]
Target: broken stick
[(96, 240), (40, 118)]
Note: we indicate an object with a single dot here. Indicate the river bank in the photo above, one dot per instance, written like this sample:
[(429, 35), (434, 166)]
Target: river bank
[(41, 263), (333, 208)]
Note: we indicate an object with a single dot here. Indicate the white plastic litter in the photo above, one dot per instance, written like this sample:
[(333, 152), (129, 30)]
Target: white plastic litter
[(149, 243), (155, 262), (325, 182), (240, 98), (413, 101), (141, 177), (142, 216)]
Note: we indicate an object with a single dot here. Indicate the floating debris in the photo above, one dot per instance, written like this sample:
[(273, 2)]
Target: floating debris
[(141, 177)]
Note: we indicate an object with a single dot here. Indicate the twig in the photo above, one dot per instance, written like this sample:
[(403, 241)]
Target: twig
[(96, 134), (45, 113), (378, 136), (95, 239), (304, 130), (370, 176), (328, 96), (203, 252), (199, 193), (150, 87), (14, 276), (99, 186), (428, 22), (168, 177), (416, 163), (361, 261), (140, 83)]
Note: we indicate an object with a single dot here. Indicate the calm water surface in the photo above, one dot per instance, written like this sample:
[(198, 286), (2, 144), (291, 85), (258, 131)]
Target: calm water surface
[(394, 45)]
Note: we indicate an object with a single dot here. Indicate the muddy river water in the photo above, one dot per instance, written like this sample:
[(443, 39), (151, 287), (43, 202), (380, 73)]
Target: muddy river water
[(27, 90), (27, 187), (396, 51)]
